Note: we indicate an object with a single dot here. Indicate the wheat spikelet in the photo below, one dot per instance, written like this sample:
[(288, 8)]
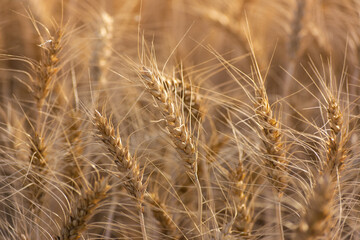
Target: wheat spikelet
[(334, 116), (183, 86), (38, 151)]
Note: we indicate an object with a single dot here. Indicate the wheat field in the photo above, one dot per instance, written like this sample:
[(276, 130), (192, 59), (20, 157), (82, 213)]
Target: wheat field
[(180, 119)]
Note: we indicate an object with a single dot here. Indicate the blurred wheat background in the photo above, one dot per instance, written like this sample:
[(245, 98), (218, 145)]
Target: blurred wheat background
[(179, 119)]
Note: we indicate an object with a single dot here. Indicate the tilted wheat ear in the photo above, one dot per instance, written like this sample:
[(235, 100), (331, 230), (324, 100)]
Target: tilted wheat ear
[(175, 122), (85, 205)]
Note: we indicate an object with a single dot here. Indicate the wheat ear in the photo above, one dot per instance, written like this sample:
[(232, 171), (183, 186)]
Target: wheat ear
[(102, 46), (73, 158), (175, 122), (126, 164), (89, 200), (316, 219), (177, 127), (47, 67), (337, 151), (184, 90), (275, 159), (45, 71), (243, 222), (161, 213), (294, 44), (38, 171)]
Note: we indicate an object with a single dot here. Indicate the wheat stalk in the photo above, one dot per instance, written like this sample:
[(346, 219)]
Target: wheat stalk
[(275, 159), (294, 44), (226, 23)]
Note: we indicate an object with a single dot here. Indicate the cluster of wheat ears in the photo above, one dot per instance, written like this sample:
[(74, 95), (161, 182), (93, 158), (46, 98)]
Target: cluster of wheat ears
[(179, 119)]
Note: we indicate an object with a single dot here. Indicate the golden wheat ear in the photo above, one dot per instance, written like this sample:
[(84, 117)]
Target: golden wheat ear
[(163, 216), (240, 192), (85, 206), (338, 137), (103, 44), (275, 159), (47, 67), (338, 117), (316, 219), (45, 71), (73, 158), (126, 164), (177, 126), (226, 21)]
